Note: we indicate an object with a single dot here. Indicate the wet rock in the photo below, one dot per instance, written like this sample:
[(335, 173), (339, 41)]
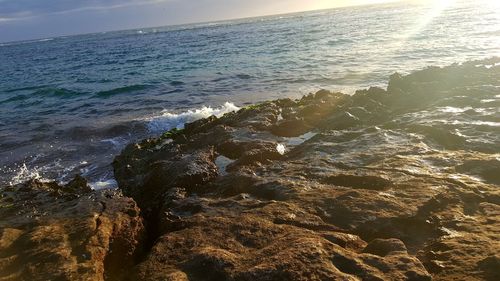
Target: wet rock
[(248, 152), (200, 125), (259, 117), (396, 184), (234, 240), (262, 155), (489, 170), (490, 266), (359, 181), (441, 136), (291, 128), (63, 235), (341, 121), (78, 184), (157, 175)]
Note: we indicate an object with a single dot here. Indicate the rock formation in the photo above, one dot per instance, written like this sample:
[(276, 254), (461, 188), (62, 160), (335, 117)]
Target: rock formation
[(396, 184), (53, 232)]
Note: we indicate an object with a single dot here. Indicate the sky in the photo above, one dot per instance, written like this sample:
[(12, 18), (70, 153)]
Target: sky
[(33, 19)]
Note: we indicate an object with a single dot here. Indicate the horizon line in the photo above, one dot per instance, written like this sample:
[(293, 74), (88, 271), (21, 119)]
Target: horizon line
[(217, 21)]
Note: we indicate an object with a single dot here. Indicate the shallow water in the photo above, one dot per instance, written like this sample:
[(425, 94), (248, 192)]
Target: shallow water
[(69, 105)]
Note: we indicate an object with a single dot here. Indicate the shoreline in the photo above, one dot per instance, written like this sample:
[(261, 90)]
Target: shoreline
[(73, 99), (386, 184)]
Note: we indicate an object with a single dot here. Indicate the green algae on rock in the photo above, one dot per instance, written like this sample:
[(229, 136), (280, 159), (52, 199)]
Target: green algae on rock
[(396, 184), (391, 186)]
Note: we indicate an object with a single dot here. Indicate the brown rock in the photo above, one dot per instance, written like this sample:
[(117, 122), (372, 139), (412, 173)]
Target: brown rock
[(384, 247), (389, 167), (63, 236), (223, 243)]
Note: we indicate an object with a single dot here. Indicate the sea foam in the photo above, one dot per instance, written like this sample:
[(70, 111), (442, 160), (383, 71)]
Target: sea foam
[(167, 120), (24, 174), (104, 184)]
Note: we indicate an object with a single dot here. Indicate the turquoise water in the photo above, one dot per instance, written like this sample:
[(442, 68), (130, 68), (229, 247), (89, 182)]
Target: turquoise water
[(69, 104)]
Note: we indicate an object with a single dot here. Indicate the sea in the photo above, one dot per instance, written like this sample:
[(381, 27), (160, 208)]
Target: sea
[(69, 105)]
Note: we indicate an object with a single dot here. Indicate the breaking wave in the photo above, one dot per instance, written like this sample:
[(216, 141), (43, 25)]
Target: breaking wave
[(167, 120), (24, 174)]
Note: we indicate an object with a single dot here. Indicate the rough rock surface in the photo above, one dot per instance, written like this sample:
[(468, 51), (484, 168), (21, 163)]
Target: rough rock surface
[(396, 184), (52, 232)]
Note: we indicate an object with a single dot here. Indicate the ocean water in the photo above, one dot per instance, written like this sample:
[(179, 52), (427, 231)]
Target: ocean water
[(68, 105)]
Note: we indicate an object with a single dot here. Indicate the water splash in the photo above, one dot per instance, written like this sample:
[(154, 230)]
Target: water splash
[(281, 149), (168, 120), (24, 174)]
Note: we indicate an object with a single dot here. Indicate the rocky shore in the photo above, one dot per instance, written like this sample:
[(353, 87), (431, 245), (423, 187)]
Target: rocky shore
[(396, 184)]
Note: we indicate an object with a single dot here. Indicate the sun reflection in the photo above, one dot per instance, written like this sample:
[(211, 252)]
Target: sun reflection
[(436, 8), (433, 9), (325, 4)]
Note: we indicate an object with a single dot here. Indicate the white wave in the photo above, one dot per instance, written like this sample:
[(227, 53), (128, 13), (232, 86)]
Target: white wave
[(117, 142), (295, 141), (24, 174), (281, 149), (104, 184), (167, 120), (451, 109), (222, 162), (45, 40)]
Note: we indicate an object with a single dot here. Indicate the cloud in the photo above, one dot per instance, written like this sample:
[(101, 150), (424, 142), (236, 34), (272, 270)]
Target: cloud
[(24, 9)]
